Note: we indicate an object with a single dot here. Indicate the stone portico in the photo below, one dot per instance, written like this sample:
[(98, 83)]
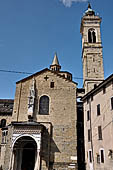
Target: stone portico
[(24, 147)]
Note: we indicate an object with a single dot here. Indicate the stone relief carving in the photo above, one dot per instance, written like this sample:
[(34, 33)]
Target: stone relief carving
[(31, 99)]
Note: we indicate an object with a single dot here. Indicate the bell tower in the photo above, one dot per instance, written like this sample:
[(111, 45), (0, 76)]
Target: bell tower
[(92, 57)]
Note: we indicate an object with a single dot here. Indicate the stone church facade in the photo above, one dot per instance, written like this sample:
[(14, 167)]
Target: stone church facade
[(46, 130), (42, 131)]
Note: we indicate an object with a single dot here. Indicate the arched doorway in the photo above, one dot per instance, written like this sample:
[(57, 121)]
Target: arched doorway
[(28, 157), (24, 153)]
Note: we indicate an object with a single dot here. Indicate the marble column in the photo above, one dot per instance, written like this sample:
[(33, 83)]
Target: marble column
[(37, 163), (11, 159)]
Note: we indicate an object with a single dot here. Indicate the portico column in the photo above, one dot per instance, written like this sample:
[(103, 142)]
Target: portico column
[(11, 159), (20, 159), (37, 164)]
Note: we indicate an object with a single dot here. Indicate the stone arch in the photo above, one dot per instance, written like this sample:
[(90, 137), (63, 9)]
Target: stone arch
[(24, 135), (24, 153)]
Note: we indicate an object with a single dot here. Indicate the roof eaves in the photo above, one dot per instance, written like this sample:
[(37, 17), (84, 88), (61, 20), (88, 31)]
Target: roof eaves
[(107, 80), (37, 73), (6, 100), (42, 71)]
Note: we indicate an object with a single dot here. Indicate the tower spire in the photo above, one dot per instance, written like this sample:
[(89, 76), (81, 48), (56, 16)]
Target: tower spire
[(55, 66), (89, 5), (55, 60), (89, 11)]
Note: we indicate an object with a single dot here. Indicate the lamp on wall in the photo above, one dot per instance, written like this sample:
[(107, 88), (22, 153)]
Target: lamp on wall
[(110, 153)]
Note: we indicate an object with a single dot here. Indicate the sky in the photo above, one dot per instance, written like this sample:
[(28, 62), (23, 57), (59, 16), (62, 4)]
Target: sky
[(31, 31)]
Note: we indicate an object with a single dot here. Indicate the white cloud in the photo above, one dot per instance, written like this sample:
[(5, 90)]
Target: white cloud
[(68, 3)]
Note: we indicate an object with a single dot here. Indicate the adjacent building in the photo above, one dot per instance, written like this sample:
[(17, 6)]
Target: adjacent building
[(98, 126), (6, 110)]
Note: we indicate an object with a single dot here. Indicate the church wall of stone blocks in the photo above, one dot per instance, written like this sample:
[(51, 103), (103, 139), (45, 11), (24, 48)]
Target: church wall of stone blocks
[(43, 120)]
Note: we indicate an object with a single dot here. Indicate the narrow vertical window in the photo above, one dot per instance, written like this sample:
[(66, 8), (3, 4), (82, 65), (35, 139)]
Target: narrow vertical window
[(89, 135), (88, 115), (102, 155), (44, 105), (112, 103), (99, 133), (52, 84), (98, 109), (94, 70), (90, 156), (104, 90)]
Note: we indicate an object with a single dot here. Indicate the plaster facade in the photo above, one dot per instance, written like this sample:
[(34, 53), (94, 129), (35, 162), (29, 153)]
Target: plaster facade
[(99, 122)]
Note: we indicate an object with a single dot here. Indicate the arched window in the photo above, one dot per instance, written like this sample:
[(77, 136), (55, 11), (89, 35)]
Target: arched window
[(44, 105), (91, 36)]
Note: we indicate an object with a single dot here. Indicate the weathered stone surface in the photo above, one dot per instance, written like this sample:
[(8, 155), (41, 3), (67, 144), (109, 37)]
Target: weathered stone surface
[(59, 138), (92, 57)]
